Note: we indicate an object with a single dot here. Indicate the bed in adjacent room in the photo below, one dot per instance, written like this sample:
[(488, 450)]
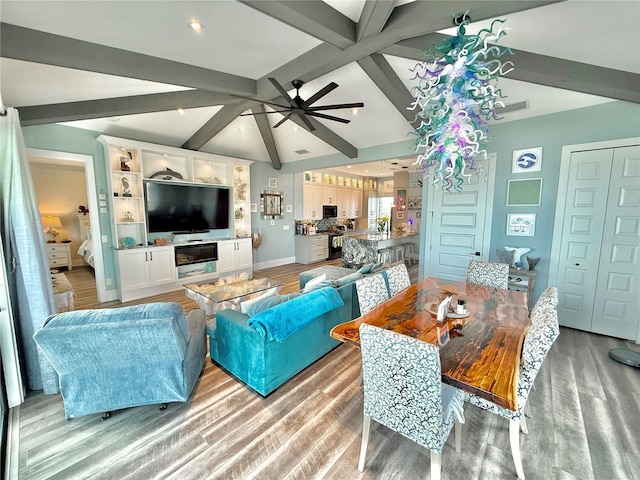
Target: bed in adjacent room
[(85, 250)]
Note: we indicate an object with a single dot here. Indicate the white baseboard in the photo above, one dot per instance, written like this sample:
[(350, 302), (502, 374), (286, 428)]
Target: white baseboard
[(276, 262)]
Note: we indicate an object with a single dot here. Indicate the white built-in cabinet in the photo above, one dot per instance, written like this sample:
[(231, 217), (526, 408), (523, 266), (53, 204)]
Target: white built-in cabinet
[(318, 188), (144, 268), (234, 255)]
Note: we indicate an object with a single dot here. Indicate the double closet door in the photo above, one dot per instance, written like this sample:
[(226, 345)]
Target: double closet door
[(598, 267)]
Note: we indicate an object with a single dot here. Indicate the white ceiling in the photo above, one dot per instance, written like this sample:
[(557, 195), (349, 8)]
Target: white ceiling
[(240, 40)]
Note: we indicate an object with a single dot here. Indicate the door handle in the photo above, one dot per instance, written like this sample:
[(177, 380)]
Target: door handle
[(151, 256), (577, 264), (476, 254)]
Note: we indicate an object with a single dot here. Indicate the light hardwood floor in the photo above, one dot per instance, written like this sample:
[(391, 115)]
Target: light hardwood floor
[(585, 425)]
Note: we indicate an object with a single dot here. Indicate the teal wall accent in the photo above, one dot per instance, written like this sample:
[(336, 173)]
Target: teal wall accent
[(276, 242), (76, 140), (608, 121)]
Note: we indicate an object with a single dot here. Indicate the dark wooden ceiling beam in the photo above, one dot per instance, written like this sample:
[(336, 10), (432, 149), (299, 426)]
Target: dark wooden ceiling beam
[(406, 21), (216, 124), (116, 107), (328, 136), (316, 18), (545, 70), (267, 135), (373, 18), (390, 84), (30, 45)]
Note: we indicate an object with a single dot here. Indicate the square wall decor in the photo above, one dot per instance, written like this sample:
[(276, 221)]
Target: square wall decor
[(527, 160), (524, 192), (521, 224)]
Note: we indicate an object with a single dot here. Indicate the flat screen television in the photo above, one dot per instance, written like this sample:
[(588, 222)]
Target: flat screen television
[(185, 207)]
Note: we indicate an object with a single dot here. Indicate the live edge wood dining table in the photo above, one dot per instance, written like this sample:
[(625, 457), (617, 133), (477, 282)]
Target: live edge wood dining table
[(479, 354)]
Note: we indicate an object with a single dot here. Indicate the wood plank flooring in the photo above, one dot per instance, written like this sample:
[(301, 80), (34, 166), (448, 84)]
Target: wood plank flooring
[(585, 425)]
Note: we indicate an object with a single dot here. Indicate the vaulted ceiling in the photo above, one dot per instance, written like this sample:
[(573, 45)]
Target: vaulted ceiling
[(125, 68)]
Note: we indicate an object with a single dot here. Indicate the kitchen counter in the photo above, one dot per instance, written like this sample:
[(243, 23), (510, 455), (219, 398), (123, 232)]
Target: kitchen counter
[(361, 249)]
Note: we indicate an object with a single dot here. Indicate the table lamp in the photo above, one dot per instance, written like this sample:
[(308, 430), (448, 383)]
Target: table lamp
[(51, 223)]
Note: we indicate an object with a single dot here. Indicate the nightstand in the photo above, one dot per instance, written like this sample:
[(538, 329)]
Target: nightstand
[(523, 281), (59, 255)]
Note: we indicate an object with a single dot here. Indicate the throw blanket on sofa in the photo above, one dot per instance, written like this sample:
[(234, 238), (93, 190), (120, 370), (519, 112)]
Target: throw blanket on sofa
[(278, 322)]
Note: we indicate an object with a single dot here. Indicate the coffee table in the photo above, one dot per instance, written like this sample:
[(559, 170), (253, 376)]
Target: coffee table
[(62, 293), (212, 297)]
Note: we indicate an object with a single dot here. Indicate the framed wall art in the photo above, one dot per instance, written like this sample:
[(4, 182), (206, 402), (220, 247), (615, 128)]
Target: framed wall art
[(521, 224), (527, 160), (524, 192)]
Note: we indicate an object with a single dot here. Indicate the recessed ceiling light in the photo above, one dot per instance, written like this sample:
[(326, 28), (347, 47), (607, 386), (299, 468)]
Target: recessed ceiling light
[(348, 166), (354, 111), (242, 128), (196, 25), (366, 171), (181, 111), (296, 128)]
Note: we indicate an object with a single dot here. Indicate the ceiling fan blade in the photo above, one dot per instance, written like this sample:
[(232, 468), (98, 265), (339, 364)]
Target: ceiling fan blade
[(262, 113), (307, 123), (261, 101), (283, 120), (328, 117), (283, 92), (335, 107), (319, 94)]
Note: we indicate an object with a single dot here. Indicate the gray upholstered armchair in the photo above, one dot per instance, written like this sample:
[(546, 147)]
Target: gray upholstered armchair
[(117, 358)]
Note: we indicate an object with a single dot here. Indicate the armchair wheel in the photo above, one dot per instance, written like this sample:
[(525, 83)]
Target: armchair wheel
[(106, 415), (163, 406)]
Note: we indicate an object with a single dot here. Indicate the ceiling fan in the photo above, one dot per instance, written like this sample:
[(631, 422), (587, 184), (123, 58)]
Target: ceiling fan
[(302, 108)]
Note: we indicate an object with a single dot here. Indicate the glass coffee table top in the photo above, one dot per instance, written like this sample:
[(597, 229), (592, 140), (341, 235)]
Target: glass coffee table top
[(218, 292)]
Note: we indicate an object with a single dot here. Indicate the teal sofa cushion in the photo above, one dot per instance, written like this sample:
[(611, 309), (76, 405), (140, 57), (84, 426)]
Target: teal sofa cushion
[(268, 302), (278, 322)]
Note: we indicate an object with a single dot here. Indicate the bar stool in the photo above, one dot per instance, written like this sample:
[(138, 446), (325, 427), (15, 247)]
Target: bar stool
[(384, 255), (398, 252), (410, 252)]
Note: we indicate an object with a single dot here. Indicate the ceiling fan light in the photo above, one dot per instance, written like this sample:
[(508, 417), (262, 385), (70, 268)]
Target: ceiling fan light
[(196, 25)]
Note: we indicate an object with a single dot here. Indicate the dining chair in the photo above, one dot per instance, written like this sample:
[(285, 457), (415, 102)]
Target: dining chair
[(398, 278), (548, 300), (371, 291), (537, 344), (489, 274), (403, 392)]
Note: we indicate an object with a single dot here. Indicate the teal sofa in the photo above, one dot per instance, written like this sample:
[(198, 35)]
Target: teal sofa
[(109, 359), (264, 364)]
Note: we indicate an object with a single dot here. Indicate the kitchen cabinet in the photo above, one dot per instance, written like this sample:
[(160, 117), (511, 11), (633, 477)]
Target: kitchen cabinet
[(311, 248), (329, 196), (311, 202)]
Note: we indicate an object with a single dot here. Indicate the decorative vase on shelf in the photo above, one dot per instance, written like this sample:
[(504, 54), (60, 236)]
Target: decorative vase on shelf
[(256, 241)]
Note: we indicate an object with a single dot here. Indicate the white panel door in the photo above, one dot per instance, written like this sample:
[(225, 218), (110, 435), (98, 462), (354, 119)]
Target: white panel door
[(617, 294), (458, 229), (582, 229)]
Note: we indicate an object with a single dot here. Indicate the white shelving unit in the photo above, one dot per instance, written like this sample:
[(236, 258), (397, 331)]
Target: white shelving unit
[(144, 268)]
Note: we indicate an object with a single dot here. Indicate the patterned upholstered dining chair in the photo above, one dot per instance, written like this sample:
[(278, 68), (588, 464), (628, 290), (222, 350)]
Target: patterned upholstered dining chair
[(403, 391), (398, 277), (548, 300), (372, 291), (537, 344), (489, 274)]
